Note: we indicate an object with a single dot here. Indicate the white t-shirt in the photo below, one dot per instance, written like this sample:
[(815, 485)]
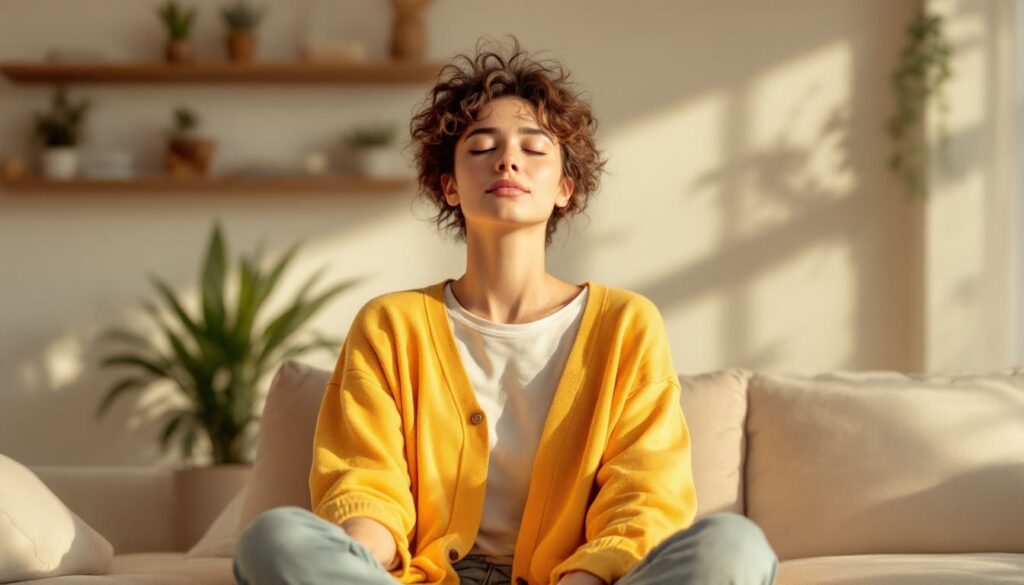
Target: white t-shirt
[(513, 369)]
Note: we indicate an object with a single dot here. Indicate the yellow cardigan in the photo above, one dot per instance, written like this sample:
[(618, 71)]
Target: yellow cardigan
[(400, 438)]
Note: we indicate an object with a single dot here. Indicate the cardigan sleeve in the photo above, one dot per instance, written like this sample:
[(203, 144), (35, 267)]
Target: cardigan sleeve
[(359, 466), (644, 484)]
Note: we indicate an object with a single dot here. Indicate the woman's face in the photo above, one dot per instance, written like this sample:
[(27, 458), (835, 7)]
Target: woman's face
[(507, 143)]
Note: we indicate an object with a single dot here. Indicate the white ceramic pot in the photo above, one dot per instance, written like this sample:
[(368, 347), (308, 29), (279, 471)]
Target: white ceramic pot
[(60, 162), (379, 162)]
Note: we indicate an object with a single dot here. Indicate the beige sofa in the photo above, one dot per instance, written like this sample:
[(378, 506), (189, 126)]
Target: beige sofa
[(856, 478)]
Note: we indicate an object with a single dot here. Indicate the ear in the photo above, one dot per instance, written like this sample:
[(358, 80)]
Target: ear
[(566, 191), (450, 189)]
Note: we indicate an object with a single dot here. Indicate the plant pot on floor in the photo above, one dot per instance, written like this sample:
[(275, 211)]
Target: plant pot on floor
[(60, 162)]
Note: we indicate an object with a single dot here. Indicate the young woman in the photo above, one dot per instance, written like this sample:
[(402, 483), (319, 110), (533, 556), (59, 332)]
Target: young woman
[(505, 427)]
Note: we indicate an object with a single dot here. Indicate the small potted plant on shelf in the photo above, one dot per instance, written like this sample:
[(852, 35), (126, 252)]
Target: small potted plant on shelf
[(178, 21), (373, 151), (188, 153), (59, 131), (241, 19)]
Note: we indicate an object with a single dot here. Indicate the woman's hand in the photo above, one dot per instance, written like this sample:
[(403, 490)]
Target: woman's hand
[(375, 537), (580, 578)]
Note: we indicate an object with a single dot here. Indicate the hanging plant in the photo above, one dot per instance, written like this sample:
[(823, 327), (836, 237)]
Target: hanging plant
[(922, 73)]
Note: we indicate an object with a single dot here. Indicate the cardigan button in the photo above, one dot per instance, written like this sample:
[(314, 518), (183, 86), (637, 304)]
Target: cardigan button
[(476, 418), (453, 554)]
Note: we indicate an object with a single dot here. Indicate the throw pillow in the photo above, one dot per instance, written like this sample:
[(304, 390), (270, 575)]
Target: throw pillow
[(715, 408), (222, 536), (284, 451), (39, 536)]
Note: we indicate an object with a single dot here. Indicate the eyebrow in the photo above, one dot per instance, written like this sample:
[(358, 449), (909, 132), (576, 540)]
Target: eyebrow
[(522, 130)]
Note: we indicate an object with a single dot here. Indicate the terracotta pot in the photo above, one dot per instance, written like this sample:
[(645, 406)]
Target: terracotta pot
[(202, 493), (190, 156), (179, 51), (13, 167), (242, 46), (408, 30)]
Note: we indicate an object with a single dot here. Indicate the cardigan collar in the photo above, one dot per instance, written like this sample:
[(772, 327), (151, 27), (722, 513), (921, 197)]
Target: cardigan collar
[(451, 361)]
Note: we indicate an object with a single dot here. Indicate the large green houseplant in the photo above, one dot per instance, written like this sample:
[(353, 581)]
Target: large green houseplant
[(217, 358)]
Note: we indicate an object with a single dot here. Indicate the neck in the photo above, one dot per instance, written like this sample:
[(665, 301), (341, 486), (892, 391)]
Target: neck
[(506, 280)]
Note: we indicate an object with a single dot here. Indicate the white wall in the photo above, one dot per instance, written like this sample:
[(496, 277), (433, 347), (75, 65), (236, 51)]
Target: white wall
[(747, 194)]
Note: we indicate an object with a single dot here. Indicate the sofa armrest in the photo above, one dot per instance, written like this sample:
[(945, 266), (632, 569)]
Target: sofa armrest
[(132, 507)]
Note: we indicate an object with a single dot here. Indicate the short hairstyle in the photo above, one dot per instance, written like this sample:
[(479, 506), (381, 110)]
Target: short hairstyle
[(455, 101)]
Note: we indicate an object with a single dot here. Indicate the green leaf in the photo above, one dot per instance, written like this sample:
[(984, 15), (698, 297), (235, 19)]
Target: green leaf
[(245, 314), (122, 388), (268, 283), (212, 278), (214, 352), (120, 334), (294, 316), (170, 428), (156, 368)]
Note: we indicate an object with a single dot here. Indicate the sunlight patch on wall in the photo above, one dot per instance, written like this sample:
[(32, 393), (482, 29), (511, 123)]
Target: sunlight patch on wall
[(647, 194), (62, 361), (812, 299)]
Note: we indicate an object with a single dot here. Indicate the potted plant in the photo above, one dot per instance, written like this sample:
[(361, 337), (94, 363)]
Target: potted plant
[(217, 356), (373, 150), (178, 21), (59, 131), (188, 153), (242, 18)]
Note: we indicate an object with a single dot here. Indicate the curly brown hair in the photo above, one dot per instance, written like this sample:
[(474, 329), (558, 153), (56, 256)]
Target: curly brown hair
[(456, 99)]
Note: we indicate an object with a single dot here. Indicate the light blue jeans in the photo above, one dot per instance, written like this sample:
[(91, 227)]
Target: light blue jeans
[(293, 546)]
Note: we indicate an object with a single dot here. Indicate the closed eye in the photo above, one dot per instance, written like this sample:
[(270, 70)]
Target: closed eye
[(533, 152)]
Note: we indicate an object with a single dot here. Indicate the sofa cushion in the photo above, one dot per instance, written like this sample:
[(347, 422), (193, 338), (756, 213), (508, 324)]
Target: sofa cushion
[(39, 535), (877, 462), (284, 451), (221, 537), (715, 408), (958, 569), (132, 507), (167, 568)]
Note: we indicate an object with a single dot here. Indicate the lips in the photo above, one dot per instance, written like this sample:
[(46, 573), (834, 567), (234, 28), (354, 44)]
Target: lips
[(506, 187)]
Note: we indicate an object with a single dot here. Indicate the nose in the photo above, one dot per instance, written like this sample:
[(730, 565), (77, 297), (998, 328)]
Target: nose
[(507, 161)]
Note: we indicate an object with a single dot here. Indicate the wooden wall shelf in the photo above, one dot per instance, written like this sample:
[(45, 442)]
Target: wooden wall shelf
[(327, 185), (380, 72)]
